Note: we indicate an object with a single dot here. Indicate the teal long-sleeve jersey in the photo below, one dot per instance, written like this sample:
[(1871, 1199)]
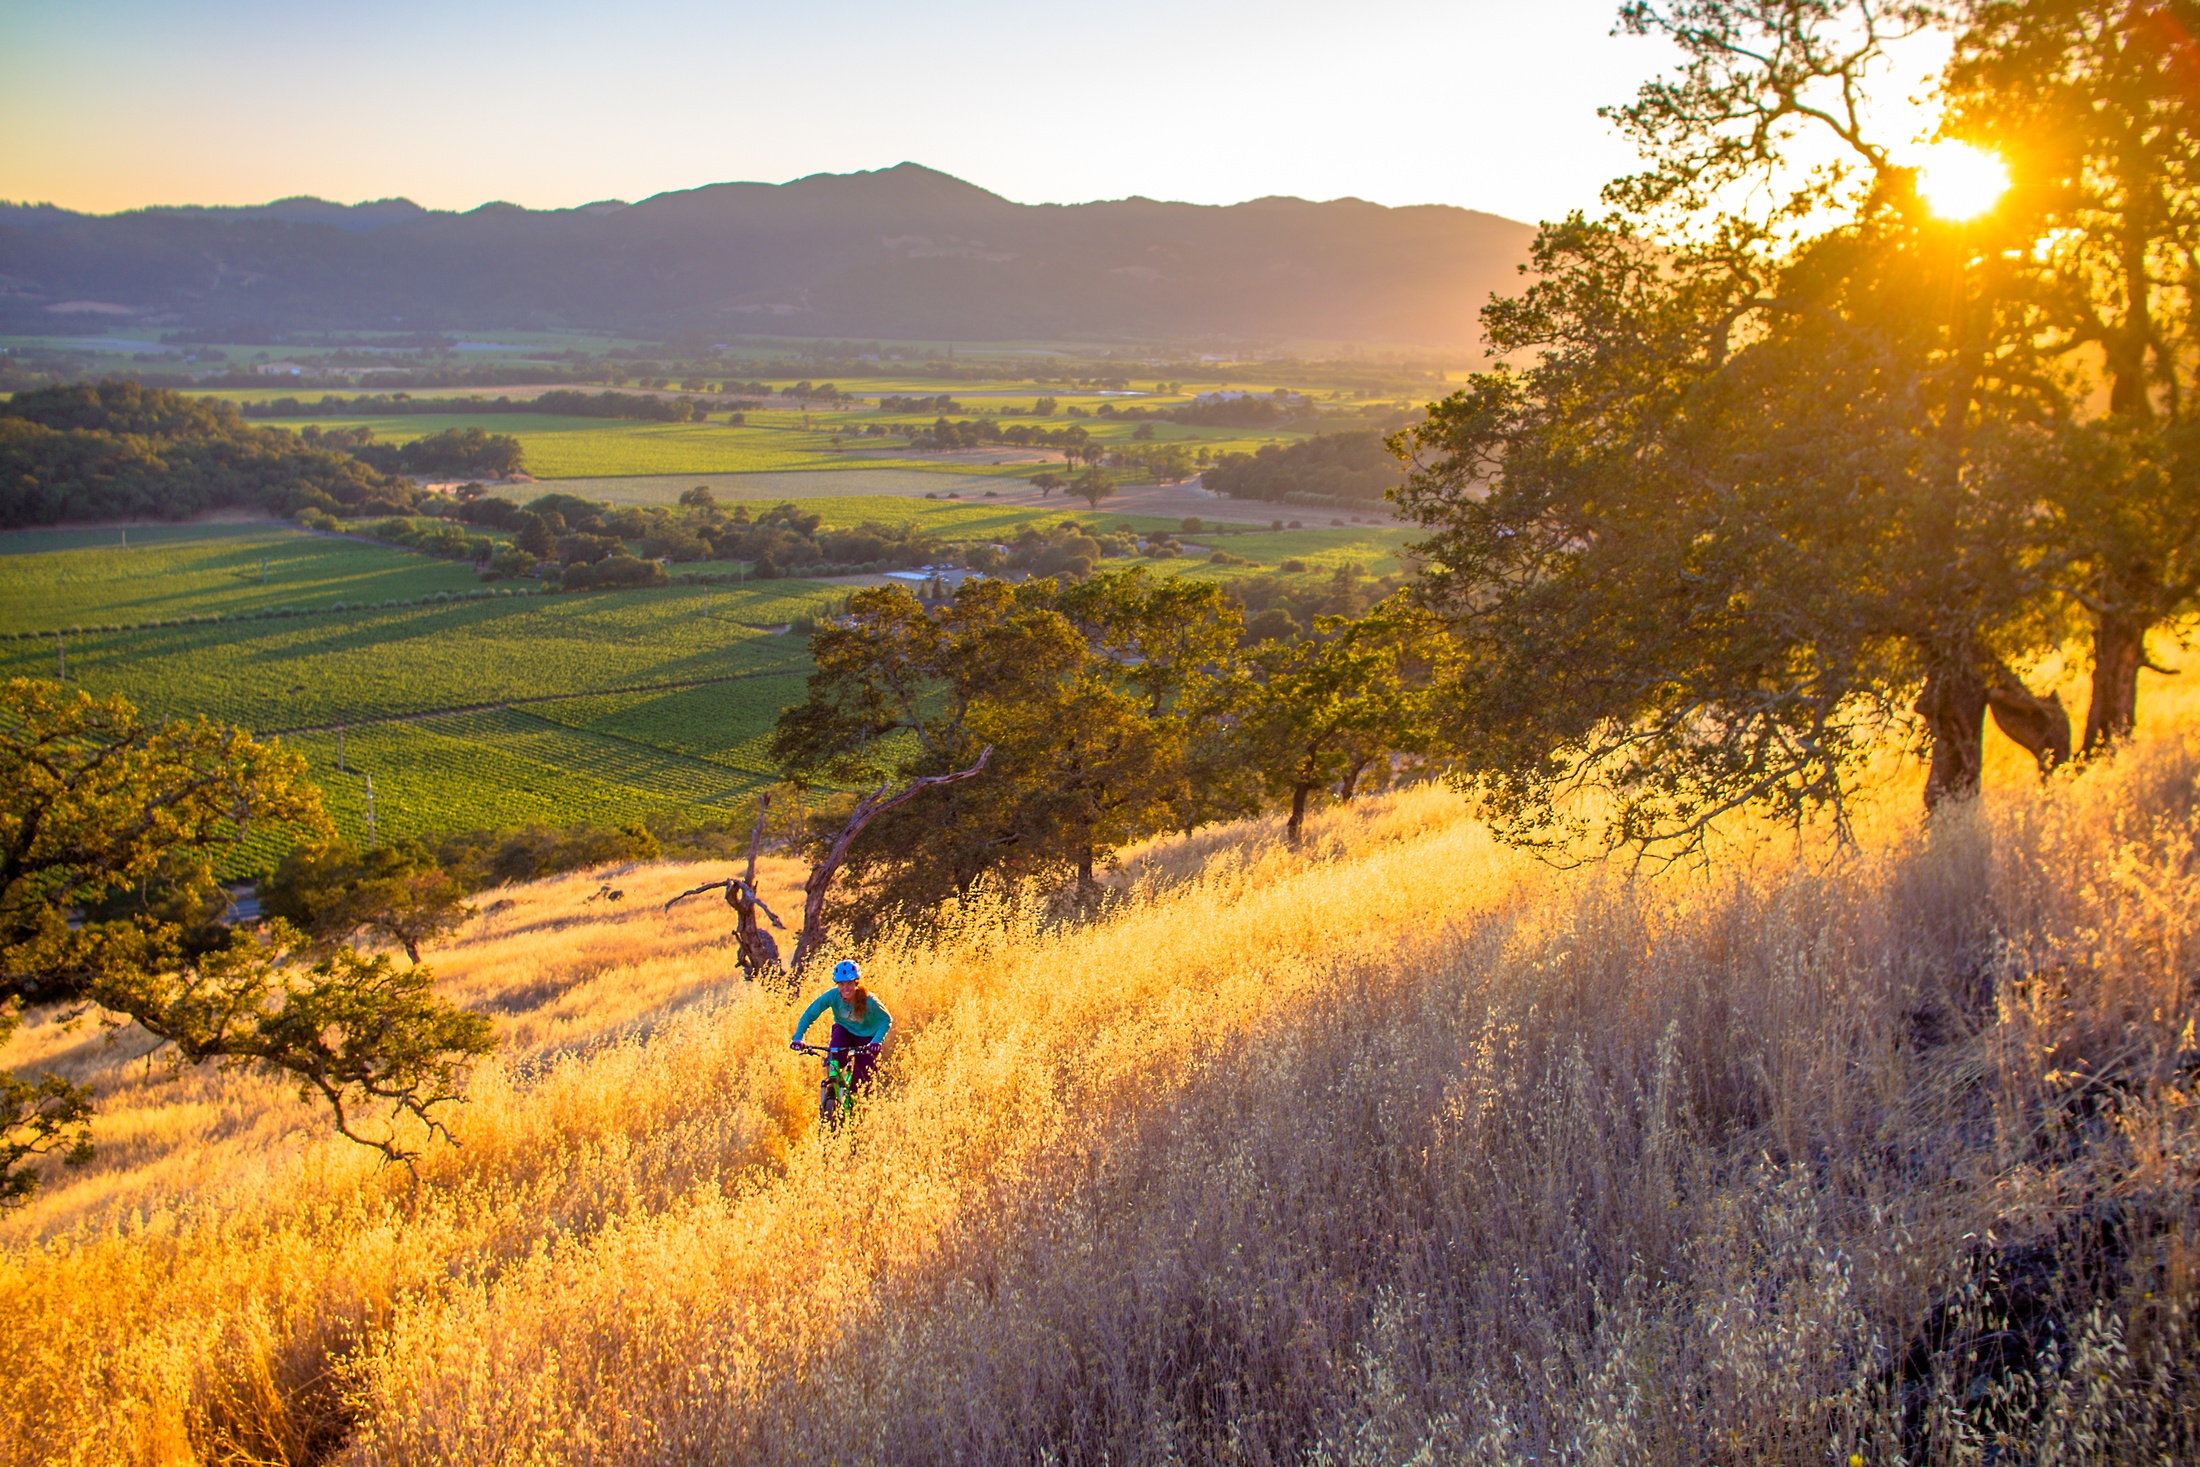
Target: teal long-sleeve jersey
[(871, 1026)]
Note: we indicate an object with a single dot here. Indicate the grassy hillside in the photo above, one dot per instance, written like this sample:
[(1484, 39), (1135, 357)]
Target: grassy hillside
[(1395, 1148)]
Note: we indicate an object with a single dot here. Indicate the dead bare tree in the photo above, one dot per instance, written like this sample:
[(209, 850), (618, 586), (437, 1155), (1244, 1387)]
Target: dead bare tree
[(759, 953), (867, 809)]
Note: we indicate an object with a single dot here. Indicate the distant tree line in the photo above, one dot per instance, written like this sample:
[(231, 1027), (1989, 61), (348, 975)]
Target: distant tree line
[(563, 403), (113, 449), (1355, 466), (1252, 410), (596, 543), (454, 453), (945, 434), (1162, 462)]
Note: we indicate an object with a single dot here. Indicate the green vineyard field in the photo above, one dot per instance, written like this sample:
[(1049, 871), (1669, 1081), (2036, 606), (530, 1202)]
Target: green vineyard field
[(505, 767), (382, 663), (477, 711), (55, 579), (727, 724)]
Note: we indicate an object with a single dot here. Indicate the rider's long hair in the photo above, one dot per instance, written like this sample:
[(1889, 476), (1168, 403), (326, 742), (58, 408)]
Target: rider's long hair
[(860, 1001)]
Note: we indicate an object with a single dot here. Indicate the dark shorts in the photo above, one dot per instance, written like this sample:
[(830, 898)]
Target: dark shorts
[(859, 1063)]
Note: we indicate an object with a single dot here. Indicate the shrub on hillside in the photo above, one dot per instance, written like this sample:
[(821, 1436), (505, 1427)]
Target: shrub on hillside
[(479, 859), (619, 573), (508, 561), (1351, 467)]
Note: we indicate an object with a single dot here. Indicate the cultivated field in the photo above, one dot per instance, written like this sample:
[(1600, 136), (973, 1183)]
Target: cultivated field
[(1396, 1148), (478, 707), (345, 667), (568, 448), (579, 448), (54, 579), (482, 709)]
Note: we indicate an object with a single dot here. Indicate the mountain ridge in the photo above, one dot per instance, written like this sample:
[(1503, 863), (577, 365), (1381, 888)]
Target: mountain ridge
[(901, 252)]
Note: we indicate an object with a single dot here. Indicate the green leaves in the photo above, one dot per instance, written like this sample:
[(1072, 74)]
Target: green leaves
[(1326, 708), (398, 892), (1753, 481), (96, 803), (1107, 703), (354, 1030), (43, 1117), (118, 824)]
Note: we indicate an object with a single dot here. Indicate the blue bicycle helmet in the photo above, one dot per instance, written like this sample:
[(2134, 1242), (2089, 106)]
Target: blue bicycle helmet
[(846, 971)]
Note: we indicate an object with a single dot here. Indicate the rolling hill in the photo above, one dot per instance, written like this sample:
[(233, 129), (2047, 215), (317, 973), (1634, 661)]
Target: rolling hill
[(900, 253)]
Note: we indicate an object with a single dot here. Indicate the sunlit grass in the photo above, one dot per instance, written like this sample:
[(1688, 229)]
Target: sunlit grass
[(1392, 1145)]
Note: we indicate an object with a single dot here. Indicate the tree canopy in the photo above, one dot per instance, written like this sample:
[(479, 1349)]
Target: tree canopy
[(112, 830), (1103, 700), (114, 449), (1780, 461)]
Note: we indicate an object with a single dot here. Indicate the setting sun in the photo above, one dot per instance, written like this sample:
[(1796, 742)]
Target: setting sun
[(1958, 181)]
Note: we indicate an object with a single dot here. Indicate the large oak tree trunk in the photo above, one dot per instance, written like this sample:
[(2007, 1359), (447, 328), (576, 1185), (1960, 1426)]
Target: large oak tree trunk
[(1299, 792), (2119, 651), (1953, 706)]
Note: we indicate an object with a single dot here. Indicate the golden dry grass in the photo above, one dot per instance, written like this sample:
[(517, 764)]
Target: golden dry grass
[(1397, 1148)]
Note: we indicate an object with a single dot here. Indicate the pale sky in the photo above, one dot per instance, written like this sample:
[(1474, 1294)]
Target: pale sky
[(1489, 104)]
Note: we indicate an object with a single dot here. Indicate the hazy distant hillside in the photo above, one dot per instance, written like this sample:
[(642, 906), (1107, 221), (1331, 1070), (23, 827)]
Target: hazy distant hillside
[(903, 252)]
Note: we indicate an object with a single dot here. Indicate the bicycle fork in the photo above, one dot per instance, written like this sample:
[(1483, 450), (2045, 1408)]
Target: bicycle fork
[(836, 1096)]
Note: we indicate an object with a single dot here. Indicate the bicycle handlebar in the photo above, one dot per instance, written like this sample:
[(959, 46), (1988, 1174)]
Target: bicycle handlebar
[(829, 1049)]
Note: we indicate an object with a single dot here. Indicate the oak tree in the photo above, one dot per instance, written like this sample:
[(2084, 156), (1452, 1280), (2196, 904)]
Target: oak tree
[(112, 832), (397, 892), (2093, 105)]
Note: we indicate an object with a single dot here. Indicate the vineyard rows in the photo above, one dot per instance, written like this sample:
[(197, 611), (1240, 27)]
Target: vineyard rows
[(727, 724), (68, 578), (504, 768), (270, 675)]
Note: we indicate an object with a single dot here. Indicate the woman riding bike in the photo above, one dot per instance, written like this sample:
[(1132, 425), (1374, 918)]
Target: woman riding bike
[(859, 1020)]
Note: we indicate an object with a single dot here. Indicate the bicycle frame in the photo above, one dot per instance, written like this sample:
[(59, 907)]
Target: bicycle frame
[(836, 1097)]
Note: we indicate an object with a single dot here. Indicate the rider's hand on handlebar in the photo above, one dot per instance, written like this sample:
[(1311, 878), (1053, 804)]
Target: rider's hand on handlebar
[(794, 1044)]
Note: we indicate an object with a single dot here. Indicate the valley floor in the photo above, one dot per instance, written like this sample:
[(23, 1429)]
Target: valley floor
[(1393, 1148)]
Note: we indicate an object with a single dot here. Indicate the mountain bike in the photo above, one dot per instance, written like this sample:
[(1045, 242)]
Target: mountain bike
[(836, 1097)]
